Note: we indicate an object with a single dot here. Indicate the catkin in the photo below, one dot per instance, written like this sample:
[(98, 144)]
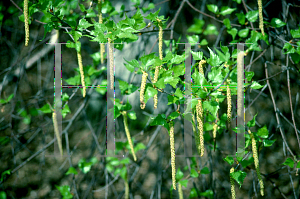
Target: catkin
[(201, 69), (128, 134), (232, 184), (26, 18), (102, 49), (156, 73), (56, 131), (111, 62), (199, 111), (126, 189), (228, 104), (180, 191), (256, 163), (143, 86), (172, 147), (81, 72), (197, 138), (261, 23)]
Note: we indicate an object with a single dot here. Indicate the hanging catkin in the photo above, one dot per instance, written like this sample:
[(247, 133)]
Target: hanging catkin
[(197, 138), (261, 23), (26, 18), (232, 184), (102, 49), (199, 111), (172, 147), (180, 193), (81, 71), (228, 104), (143, 86), (156, 73), (124, 113), (256, 163), (56, 131), (201, 70)]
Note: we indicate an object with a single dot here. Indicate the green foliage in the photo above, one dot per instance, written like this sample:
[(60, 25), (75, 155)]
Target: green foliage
[(65, 191)]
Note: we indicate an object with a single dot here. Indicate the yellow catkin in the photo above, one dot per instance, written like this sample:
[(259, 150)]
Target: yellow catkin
[(228, 104), (126, 190), (128, 134), (111, 62), (156, 73), (197, 138), (261, 23), (215, 131), (102, 49), (81, 72), (172, 147), (26, 18), (180, 193), (201, 69), (199, 111), (256, 163), (232, 184), (143, 86), (56, 131)]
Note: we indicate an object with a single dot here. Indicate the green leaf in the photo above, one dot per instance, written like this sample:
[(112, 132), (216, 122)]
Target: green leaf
[(205, 170), (45, 109), (123, 173), (238, 1), (289, 162), (216, 75), (290, 49), (65, 111), (225, 10), (211, 30), (65, 97), (2, 195), (227, 23), (203, 42), (255, 85), (179, 174), (192, 39), (71, 170), (183, 182), (268, 143), (2, 101), (3, 175), (241, 18), (277, 23), (251, 123), (4, 140), (249, 75), (248, 162), (239, 176), (126, 89), (64, 191), (295, 56), (125, 161), (149, 93), (298, 165), (173, 115), (207, 126), (208, 193), (193, 193), (84, 166), (243, 33), (252, 15), (229, 160), (295, 33), (139, 146), (263, 132), (84, 24), (233, 32), (196, 27), (194, 173), (214, 60), (197, 55), (213, 8)]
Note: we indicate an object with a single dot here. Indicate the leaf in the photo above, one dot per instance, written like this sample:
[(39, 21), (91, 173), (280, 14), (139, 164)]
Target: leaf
[(277, 23), (225, 10), (243, 33), (251, 123), (214, 60), (193, 193), (179, 175), (132, 115), (213, 8), (249, 75), (196, 27), (208, 193), (197, 55), (45, 109), (252, 15), (290, 49), (241, 18), (255, 85), (64, 191), (125, 161), (227, 23), (289, 162), (183, 182), (229, 160), (71, 170), (173, 115), (149, 93), (194, 173), (65, 111), (211, 30), (205, 170), (268, 143), (233, 32), (139, 146), (295, 33), (239, 176), (298, 165), (248, 162), (2, 195), (193, 39), (263, 132)]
